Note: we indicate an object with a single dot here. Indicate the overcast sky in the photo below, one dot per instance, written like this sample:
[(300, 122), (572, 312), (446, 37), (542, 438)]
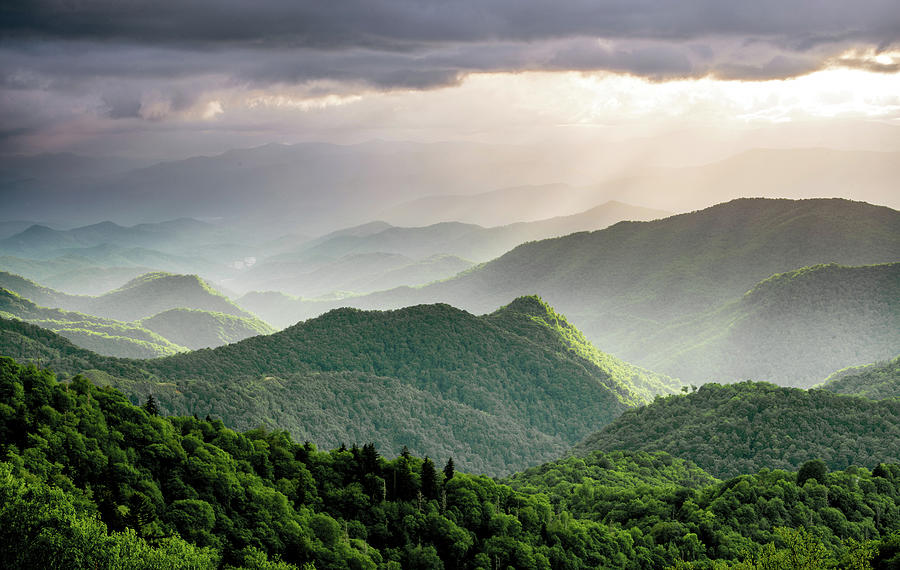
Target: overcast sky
[(170, 78)]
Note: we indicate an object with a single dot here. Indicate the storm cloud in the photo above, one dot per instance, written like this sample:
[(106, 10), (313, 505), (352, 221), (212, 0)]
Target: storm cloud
[(156, 59), (404, 43)]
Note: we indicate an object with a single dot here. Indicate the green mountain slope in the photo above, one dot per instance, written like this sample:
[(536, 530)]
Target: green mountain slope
[(634, 277), (491, 391), (89, 480), (143, 296), (195, 329), (791, 329), (154, 293), (104, 336), (877, 381), (741, 428)]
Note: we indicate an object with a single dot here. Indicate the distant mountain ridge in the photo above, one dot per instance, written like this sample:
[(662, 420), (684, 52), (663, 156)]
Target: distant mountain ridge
[(325, 180), (636, 279), (297, 272), (143, 296), (104, 336)]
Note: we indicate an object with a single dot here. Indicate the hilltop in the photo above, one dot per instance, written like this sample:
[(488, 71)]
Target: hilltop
[(195, 329), (791, 329)]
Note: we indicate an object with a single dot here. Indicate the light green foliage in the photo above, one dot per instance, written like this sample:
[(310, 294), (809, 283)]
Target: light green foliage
[(104, 336), (878, 381)]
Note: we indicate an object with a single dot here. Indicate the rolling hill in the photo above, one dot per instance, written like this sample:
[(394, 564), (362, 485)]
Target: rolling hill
[(497, 392), (104, 336), (741, 428), (878, 381), (143, 296)]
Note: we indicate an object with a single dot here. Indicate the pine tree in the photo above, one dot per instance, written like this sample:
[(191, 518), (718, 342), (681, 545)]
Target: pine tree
[(150, 406), (448, 470), (429, 479)]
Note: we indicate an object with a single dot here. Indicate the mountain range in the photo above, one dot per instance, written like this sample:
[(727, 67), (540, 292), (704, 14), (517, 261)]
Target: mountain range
[(497, 392), (317, 188), (639, 280)]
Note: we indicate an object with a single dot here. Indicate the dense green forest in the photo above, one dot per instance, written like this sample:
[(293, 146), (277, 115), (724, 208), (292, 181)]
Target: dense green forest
[(499, 392), (879, 381), (88, 479), (742, 428)]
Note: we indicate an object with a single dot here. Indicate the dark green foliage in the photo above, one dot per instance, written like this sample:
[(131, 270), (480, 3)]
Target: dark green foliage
[(742, 428), (449, 470), (878, 381), (498, 392), (150, 406), (812, 469)]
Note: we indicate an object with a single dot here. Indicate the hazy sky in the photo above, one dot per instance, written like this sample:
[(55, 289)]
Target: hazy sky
[(169, 78)]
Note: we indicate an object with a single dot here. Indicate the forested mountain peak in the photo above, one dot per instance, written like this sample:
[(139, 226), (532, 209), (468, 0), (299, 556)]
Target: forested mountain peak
[(530, 305), (496, 392), (824, 276)]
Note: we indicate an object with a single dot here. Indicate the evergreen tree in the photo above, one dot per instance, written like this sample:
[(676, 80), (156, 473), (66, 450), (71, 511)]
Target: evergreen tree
[(448, 470), (429, 479), (150, 406)]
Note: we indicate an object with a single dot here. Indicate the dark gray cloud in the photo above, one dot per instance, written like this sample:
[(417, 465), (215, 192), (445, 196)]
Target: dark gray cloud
[(423, 44), (149, 59), (399, 24)]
